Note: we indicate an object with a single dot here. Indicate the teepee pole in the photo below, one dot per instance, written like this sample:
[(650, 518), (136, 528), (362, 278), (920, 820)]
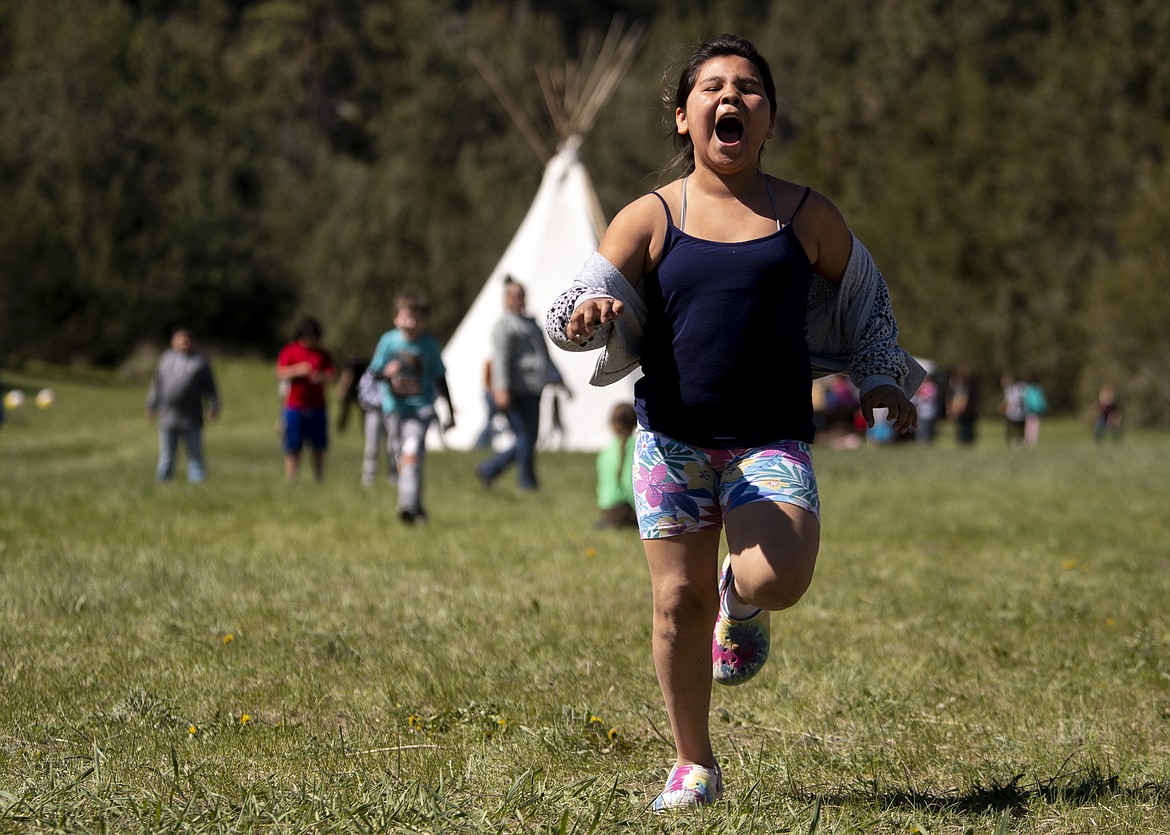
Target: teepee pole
[(573, 99), (519, 116), (615, 57)]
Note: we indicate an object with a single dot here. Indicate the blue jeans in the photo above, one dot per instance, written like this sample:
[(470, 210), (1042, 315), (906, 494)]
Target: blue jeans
[(484, 441), (168, 443), (524, 419)]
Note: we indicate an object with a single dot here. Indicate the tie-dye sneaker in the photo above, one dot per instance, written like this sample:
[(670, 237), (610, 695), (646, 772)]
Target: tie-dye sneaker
[(739, 648), (689, 786)]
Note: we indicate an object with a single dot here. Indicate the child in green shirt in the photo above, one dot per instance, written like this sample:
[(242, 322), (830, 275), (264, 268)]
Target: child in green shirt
[(615, 471)]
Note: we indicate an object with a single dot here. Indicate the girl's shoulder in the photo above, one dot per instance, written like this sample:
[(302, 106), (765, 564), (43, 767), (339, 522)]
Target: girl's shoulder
[(799, 200), (819, 225), (635, 235), (647, 210)]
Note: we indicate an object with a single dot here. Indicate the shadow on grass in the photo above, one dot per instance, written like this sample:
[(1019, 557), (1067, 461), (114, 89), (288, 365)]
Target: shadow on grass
[(1082, 788)]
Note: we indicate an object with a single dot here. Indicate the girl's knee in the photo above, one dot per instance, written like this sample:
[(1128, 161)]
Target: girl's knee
[(777, 585), (680, 607), (778, 591)]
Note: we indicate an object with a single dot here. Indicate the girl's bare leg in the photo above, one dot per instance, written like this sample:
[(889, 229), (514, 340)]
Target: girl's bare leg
[(773, 552), (683, 573)]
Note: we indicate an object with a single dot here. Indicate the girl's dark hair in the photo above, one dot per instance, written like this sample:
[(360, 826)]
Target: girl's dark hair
[(716, 47)]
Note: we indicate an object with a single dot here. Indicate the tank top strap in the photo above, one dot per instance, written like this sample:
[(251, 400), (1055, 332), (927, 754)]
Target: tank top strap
[(665, 208), (772, 200), (803, 197)]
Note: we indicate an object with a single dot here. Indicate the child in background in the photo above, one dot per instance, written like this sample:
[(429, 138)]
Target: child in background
[(926, 402), (408, 361), (1012, 409), (346, 390), (303, 368), (615, 471), (1035, 407), (376, 430), (1107, 412), (725, 285), (182, 383)]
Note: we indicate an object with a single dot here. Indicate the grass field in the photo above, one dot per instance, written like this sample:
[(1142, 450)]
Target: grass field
[(985, 648)]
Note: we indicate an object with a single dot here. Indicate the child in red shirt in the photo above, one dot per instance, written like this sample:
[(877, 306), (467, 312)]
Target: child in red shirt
[(304, 368)]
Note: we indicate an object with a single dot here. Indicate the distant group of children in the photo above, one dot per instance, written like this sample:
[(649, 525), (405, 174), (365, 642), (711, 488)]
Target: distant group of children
[(1023, 406), (396, 392)]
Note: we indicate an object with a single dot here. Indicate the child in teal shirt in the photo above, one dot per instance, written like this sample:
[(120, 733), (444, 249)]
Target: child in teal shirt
[(408, 362)]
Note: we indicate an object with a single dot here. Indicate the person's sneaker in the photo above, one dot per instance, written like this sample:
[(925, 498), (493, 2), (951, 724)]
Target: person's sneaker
[(484, 478), (411, 515), (689, 786), (739, 647)]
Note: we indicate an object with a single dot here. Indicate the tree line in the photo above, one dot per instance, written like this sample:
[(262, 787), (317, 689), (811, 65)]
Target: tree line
[(233, 164)]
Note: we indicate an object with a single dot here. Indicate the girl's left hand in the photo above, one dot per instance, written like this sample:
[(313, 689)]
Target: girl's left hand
[(901, 411)]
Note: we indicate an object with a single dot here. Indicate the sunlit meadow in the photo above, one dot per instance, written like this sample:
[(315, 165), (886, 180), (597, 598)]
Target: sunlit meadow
[(985, 648)]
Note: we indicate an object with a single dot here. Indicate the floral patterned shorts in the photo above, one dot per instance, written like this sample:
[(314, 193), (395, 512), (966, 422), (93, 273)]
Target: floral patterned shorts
[(679, 488)]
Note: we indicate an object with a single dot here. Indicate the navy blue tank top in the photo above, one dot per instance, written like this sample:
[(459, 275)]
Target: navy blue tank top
[(724, 358)]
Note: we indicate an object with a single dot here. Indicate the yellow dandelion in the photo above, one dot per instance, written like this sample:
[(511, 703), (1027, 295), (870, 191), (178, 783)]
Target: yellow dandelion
[(1111, 621), (245, 719), (1068, 565), (229, 637), (591, 552), (595, 720), (503, 723), (414, 720), (613, 733), (192, 730)]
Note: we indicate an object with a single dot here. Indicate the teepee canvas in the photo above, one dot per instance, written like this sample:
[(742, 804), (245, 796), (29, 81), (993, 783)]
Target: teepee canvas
[(560, 231)]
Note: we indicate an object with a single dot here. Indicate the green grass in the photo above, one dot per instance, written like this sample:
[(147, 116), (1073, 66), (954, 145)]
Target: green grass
[(985, 648)]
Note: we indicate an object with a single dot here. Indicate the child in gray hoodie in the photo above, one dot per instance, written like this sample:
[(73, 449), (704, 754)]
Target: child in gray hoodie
[(182, 382)]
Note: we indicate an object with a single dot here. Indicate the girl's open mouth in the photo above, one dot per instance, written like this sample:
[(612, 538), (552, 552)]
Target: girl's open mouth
[(729, 129)]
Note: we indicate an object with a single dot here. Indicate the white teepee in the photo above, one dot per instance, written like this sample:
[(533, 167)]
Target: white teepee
[(560, 231)]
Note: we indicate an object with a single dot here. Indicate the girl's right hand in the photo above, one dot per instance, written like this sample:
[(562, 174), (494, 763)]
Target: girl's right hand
[(590, 315)]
